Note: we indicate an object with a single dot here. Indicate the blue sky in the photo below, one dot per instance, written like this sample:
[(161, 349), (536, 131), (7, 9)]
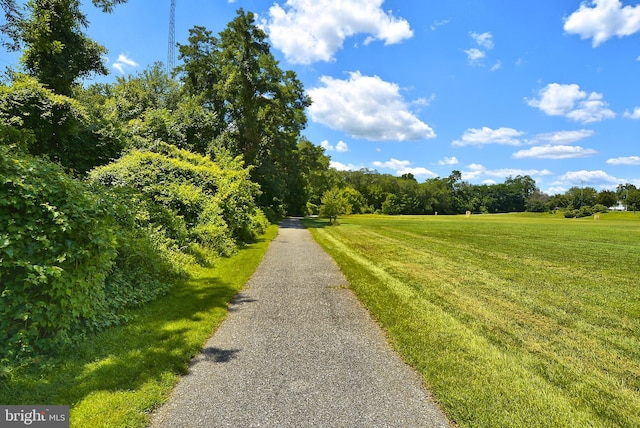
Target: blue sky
[(493, 88)]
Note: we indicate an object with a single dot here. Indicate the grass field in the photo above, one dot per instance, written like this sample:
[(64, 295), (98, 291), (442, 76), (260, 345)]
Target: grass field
[(116, 378), (515, 320)]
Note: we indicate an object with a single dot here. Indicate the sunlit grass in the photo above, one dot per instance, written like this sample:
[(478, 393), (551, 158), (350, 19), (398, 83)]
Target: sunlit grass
[(116, 378), (513, 320)]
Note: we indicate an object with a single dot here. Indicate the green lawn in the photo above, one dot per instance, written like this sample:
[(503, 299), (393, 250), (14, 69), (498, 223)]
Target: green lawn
[(116, 378), (513, 320)]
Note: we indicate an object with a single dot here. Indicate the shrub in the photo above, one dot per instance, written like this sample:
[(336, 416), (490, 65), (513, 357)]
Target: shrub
[(585, 211), (197, 199), (599, 208), (56, 247), (54, 125)]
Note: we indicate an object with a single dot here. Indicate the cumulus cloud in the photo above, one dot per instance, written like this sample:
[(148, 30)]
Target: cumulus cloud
[(635, 114), (587, 177), (475, 55), (366, 107), (600, 20), (404, 167), (449, 161), (344, 167), (485, 42), (483, 136), (124, 63), (554, 152), (628, 160), (341, 147), (563, 137), (571, 102), (475, 171), (307, 31)]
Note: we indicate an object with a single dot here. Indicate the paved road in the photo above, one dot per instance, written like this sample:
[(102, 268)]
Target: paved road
[(298, 350)]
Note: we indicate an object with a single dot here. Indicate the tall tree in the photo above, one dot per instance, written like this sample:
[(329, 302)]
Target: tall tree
[(56, 51), (262, 108)]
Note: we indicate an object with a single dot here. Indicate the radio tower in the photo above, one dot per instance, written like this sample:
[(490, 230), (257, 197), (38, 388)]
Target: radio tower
[(171, 53)]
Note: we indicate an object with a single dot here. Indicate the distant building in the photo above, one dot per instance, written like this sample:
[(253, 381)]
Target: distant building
[(618, 207)]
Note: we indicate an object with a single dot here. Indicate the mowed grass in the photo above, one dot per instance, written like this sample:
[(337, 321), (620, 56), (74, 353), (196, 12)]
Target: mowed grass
[(512, 320), (117, 378)]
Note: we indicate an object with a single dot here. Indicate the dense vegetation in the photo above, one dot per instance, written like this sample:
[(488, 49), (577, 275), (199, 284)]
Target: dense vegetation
[(367, 191), (109, 190), (518, 320)]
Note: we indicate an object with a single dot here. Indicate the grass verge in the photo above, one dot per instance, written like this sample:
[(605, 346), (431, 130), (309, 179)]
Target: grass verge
[(118, 377), (512, 320)]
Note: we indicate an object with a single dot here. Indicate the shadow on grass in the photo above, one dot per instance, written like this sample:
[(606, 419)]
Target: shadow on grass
[(158, 341), (316, 223)]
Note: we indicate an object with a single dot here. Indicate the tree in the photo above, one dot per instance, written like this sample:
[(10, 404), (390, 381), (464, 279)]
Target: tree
[(581, 196), (333, 204), (56, 51), (608, 198), (260, 107)]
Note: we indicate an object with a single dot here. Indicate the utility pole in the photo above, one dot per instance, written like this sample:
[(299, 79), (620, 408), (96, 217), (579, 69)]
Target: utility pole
[(171, 53)]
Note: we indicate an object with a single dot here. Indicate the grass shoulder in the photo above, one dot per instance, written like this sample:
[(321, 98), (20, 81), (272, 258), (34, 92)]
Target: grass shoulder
[(118, 377)]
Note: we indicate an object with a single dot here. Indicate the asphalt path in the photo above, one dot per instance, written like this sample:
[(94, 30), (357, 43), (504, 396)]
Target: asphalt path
[(298, 350)]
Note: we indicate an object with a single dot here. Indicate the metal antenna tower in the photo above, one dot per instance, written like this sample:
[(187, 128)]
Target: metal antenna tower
[(171, 53)]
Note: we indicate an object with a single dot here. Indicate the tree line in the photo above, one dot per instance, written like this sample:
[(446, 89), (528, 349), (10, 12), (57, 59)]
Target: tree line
[(368, 191)]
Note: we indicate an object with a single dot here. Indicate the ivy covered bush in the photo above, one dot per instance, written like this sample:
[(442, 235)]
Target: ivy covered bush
[(198, 200), (57, 246)]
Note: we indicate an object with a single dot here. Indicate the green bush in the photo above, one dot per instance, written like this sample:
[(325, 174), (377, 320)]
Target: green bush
[(585, 211), (54, 125), (145, 264), (57, 245), (197, 199), (599, 208)]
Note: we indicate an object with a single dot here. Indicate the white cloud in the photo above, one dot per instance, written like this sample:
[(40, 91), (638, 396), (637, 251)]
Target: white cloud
[(602, 19), (586, 177), (474, 55), (123, 63), (437, 24), (563, 137), (307, 31), (475, 171), (480, 137), (484, 40), (344, 167), (571, 102), (403, 167), (366, 107), (449, 161), (635, 114), (628, 160), (554, 152), (394, 164), (341, 147)]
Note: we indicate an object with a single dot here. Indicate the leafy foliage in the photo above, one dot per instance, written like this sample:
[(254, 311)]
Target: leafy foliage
[(54, 125), (200, 200), (56, 248), (260, 108), (56, 51)]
